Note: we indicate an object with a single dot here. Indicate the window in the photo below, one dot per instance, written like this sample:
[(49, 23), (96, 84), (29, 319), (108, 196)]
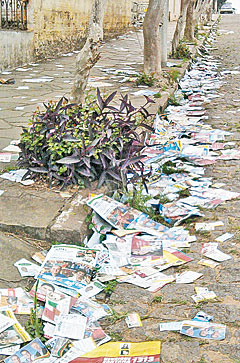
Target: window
[(14, 14)]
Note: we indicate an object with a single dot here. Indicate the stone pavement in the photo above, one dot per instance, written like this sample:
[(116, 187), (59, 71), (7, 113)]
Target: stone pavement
[(174, 302)]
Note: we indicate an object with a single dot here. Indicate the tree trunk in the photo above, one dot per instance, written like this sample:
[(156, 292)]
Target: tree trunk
[(209, 11), (180, 26), (189, 27), (152, 39), (89, 54), (197, 12), (163, 33)]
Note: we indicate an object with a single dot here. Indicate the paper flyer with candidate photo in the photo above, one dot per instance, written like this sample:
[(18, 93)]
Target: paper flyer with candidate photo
[(29, 353), (16, 299), (69, 266), (115, 213), (43, 288), (15, 334), (91, 309), (203, 330)]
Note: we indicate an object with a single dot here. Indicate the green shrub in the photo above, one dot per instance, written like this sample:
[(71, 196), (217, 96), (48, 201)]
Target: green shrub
[(78, 144)]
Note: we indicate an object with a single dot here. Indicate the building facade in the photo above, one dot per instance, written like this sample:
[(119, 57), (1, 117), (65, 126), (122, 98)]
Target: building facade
[(32, 29)]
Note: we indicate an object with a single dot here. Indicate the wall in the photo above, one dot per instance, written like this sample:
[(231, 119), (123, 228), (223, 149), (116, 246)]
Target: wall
[(16, 47), (60, 25), (174, 9)]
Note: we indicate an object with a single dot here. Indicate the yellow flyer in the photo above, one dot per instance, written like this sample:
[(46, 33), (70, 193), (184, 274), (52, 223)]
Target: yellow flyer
[(123, 352)]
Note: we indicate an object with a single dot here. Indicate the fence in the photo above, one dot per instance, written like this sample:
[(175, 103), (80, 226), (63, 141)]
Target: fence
[(14, 14)]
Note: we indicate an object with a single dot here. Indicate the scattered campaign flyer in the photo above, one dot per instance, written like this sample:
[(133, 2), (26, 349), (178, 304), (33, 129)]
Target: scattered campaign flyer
[(121, 216), (27, 268), (208, 263), (69, 266), (70, 326), (187, 277), (123, 352), (224, 237), (92, 289), (43, 287), (203, 330), (79, 348), (172, 326), (203, 294), (56, 305), (202, 316), (16, 299), (5, 322), (30, 352), (58, 346), (133, 320), (211, 250), (96, 333), (15, 334), (91, 309)]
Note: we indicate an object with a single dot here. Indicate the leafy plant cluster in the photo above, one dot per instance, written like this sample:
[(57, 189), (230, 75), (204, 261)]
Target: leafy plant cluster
[(77, 144), (182, 52), (174, 75), (145, 79)]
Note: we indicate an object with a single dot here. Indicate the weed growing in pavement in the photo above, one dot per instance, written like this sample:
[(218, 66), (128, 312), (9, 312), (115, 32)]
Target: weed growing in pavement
[(34, 325), (178, 302), (174, 101), (109, 288), (116, 337), (157, 95), (202, 360), (170, 168), (174, 75), (157, 299), (196, 32), (184, 193), (138, 201), (144, 79), (116, 302), (182, 51), (112, 319)]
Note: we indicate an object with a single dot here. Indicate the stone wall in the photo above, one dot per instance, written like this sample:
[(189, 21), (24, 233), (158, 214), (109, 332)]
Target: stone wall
[(16, 48), (60, 25)]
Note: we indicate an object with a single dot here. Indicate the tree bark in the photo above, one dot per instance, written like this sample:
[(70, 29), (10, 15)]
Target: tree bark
[(152, 39), (163, 33), (189, 27), (89, 54), (180, 26)]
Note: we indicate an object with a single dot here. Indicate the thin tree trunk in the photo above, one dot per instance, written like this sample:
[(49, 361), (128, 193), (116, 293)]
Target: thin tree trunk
[(197, 12), (89, 54), (164, 33), (152, 40), (189, 27), (209, 11), (180, 26)]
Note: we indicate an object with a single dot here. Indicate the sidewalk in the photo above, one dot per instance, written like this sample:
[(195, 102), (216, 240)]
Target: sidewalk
[(53, 79), (36, 211)]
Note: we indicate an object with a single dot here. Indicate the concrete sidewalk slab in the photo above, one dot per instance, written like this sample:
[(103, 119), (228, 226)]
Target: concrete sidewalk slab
[(11, 250), (28, 211), (70, 226)]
